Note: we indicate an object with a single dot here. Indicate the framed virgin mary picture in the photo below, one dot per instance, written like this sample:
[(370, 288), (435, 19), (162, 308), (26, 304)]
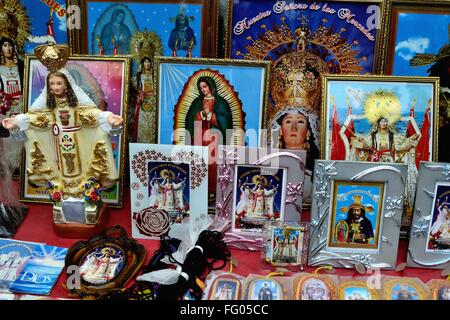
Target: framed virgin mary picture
[(186, 29), (303, 41), (416, 37), (356, 215), (100, 81)]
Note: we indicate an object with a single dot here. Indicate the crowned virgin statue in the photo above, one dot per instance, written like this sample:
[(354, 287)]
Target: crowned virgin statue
[(68, 142)]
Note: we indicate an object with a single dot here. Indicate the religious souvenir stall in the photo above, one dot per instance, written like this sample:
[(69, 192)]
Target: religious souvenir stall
[(224, 150)]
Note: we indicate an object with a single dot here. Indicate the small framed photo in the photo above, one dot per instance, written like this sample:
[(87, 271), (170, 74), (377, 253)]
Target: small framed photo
[(429, 244), (404, 289), (168, 186), (356, 290), (265, 289), (256, 186), (355, 217), (186, 29), (285, 245), (440, 289), (104, 83), (226, 287), (315, 287), (106, 262)]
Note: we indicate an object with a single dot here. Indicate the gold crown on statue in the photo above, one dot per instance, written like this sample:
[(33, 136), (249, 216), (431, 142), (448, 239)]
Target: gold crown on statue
[(295, 80), (53, 56), (14, 22), (145, 44)]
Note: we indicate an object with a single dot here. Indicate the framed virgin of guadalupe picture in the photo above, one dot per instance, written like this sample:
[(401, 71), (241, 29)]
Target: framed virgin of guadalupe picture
[(303, 41), (100, 82), (416, 37), (356, 215), (185, 28)]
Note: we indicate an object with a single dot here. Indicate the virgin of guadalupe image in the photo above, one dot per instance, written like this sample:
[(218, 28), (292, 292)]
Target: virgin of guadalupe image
[(356, 228), (208, 103), (101, 267), (167, 192), (439, 237), (67, 137), (256, 201), (113, 30)]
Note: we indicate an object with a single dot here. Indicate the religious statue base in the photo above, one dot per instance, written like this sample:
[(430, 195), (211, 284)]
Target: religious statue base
[(82, 230)]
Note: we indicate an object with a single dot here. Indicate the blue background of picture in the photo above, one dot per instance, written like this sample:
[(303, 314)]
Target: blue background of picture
[(366, 200), (418, 33), (362, 291), (45, 265), (154, 17), (171, 166), (250, 9), (248, 82), (279, 173), (39, 14), (406, 92), (397, 287), (258, 284)]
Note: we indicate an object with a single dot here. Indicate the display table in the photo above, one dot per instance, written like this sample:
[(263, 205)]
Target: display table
[(38, 227)]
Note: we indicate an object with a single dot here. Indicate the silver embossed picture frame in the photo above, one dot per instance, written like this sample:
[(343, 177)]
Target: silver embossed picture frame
[(356, 214), (255, 186), (429, 244)]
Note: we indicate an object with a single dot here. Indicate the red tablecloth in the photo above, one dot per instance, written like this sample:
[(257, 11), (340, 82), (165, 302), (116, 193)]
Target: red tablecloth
[(38, 227)]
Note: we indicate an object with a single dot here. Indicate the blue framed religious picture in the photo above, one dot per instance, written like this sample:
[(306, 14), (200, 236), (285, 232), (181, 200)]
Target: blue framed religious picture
[(185, 28), (168, 186), (225, 287), (48, 22), (303, 40), (358, 111), (417, 44), (398, 288), (265, 289), (356, 203), (101, 81)]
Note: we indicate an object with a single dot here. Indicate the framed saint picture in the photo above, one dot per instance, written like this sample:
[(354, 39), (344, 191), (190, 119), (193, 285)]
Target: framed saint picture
[(429, 244), (265, 289), (315, 287), (47, 20), (356, 290), (103, 82), (404, 289), (168, 186), (440, 289), (416, 44), (285, 245), (256, 186), (356, 214), (225, 287), (186, 29), (303, 41)]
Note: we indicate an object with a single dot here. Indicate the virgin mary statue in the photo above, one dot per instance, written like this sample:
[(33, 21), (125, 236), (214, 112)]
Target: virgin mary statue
[(67, 140)]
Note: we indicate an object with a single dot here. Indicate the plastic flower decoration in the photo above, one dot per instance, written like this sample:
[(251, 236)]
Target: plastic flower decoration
[(56, 193), (92, 192)]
